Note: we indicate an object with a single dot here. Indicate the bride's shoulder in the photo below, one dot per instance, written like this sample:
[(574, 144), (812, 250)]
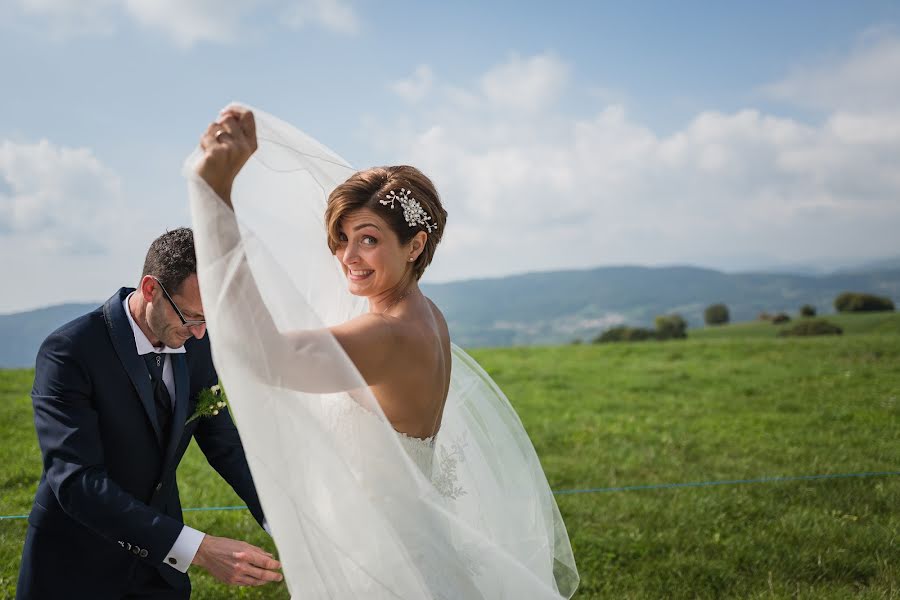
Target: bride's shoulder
[(441, 322), (376, 330), (414, 331), (367, 324), (436, 311)]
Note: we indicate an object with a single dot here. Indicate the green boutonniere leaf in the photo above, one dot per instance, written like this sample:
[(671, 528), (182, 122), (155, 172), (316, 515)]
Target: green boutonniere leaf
[(209, 402)]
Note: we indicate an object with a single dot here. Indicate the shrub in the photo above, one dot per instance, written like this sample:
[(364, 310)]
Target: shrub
[(807, 310), (670, 327), (764, 316), (667, 327), (812, 327), (622, 333), (859, 302), (780, 318), (716, 314)]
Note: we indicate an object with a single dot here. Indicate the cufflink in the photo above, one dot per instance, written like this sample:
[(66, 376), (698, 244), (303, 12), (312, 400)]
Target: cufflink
[(172, 561)]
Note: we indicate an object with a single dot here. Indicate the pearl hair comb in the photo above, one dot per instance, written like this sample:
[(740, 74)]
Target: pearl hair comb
[(412, 210)]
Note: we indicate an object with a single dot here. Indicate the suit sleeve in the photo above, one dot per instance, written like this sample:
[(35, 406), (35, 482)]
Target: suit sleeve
[(219, 440), (69, 436)]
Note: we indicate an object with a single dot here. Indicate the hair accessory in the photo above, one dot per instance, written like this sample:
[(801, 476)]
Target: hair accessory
[(412, 210)]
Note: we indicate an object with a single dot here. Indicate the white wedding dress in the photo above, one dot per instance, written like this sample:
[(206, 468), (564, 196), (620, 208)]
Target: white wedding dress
[(356, 509)]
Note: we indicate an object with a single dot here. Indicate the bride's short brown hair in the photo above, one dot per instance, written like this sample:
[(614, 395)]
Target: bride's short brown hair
[(365, 189)]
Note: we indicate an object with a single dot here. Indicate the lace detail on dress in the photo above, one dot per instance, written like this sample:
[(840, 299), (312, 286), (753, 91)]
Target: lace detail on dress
[(440, 469), (446, 479)]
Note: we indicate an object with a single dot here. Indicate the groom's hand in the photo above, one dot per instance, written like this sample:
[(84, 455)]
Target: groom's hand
[(235, 562)]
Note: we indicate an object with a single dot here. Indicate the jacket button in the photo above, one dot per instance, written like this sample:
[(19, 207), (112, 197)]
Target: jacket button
[(158, 486), (136, 550), (143, 554)]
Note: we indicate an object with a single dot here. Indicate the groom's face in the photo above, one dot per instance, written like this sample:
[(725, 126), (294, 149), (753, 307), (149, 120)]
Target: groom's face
[(164, 321)]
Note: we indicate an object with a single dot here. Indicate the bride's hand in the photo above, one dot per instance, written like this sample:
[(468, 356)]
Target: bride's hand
[(227, 145)]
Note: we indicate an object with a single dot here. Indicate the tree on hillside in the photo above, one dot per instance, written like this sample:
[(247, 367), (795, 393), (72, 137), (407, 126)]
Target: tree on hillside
[(807, 310), (667, 327), (623, 333), (812, 327), (716, 314), (670, 327), (860, 302)]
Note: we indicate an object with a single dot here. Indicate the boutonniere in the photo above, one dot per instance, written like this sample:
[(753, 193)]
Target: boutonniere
[(209, 401)]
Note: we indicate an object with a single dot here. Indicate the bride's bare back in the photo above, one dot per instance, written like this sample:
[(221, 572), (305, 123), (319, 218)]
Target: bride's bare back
[(405, 358)]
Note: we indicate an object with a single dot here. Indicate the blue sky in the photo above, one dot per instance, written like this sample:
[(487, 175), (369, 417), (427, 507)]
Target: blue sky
[(560, 135)]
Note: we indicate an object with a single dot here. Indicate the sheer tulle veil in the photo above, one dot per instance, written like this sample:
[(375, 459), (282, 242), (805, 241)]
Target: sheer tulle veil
[(351, 514)]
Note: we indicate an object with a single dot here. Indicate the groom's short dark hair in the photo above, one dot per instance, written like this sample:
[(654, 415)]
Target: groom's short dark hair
[(171, 258)]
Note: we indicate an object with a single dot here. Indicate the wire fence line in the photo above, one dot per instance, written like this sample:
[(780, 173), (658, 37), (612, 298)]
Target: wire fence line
[(629, 488)]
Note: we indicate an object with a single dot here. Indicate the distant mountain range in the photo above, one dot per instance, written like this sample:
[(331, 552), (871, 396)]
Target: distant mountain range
[(556, 307), (22, 333), (559, 306)]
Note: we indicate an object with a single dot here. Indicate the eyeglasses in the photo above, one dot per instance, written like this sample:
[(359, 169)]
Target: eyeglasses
[(185, 322)]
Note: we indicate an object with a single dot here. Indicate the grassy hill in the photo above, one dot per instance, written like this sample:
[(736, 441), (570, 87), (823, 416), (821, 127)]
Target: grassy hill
[(851, 323), (729, 403)]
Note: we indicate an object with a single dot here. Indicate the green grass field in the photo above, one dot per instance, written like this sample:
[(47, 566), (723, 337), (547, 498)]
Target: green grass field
[(728, 403)]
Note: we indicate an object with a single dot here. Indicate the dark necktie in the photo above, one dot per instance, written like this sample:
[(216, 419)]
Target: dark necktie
[(161, 397)]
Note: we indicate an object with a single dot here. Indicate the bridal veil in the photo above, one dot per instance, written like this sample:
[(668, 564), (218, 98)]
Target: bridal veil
[(352, 515)]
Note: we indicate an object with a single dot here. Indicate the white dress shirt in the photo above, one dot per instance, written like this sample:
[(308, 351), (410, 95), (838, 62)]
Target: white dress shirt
[(188, 541)]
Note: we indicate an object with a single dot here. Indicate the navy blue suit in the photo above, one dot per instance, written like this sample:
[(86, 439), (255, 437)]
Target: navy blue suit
[(107, 509)]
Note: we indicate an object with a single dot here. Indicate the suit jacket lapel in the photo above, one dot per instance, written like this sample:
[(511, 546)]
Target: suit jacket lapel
[(123, 341), (182, 394)]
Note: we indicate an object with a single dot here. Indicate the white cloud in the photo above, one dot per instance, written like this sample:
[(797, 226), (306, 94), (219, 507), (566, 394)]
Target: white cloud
[(866, 80), (186, 22), (64, 225), (530, 188), (190, 21), (527, 84), (66, 18), (69, 228), (415, 87), (334, 15), (57, 195)]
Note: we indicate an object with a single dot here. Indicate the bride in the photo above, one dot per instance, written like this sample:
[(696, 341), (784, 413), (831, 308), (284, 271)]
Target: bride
[(388, 463)]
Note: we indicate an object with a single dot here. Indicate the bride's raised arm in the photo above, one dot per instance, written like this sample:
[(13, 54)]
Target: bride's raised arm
[(300, 360)]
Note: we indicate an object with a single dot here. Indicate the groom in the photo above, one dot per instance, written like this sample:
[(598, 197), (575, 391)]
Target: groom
[(112, 393)]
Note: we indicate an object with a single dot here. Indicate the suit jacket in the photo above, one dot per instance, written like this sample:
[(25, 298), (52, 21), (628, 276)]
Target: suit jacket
[(107, 504)]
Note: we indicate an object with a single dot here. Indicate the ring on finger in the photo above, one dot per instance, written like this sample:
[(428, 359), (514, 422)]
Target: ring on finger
[(219, 134)]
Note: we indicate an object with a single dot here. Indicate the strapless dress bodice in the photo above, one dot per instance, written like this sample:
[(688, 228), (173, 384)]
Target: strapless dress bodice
[(347, 418), (420, 450)]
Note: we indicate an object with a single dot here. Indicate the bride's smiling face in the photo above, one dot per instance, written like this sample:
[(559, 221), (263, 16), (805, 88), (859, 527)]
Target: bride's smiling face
[(371, 255)]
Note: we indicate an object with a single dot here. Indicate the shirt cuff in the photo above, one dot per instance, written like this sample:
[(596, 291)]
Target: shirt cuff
[(266, 527), (184, 549)]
